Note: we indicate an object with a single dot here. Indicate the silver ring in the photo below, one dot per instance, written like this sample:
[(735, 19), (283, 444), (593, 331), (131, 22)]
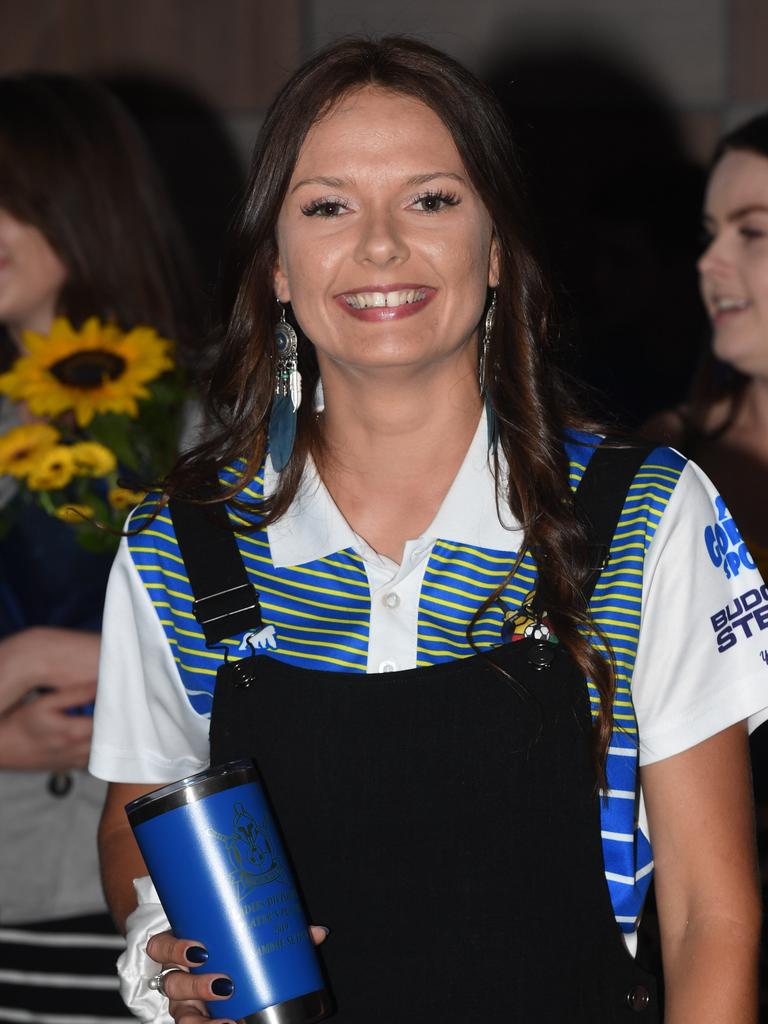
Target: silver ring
[(157, 982)]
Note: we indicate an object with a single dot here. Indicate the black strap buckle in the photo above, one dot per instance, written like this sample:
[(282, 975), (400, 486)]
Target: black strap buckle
[(598, 557), (225, 603)]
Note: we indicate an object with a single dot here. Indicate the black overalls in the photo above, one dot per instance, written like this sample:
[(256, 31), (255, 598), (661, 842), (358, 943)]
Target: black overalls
[(443, 822)]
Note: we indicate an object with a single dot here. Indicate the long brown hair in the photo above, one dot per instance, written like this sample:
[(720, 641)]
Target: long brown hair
[(532, 404), (73, 165)]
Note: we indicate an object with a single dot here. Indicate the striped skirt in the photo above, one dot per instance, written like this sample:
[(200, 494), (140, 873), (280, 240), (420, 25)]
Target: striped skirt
[(61, 972)]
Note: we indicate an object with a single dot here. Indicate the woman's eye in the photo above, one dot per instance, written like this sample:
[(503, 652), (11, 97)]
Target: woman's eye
[(324, 208), (751, 233), (433, 202)]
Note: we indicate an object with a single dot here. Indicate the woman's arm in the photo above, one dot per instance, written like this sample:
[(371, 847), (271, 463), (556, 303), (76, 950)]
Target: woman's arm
[(119, 855), (699, 805)]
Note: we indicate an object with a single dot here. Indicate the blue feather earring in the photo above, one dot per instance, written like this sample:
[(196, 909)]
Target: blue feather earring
[(483, 374), (287, 397)]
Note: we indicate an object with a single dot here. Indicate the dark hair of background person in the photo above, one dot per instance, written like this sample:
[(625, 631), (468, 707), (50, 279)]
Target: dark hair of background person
[(619, 204), (73, 165), (532, 405), (716, 381)]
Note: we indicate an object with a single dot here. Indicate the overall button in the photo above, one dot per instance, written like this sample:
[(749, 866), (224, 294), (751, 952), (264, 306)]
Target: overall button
[(387, 666), (391, 600), (638, 998)]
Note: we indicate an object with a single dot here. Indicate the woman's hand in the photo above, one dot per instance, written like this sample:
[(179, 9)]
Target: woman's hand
[(35, 730), (188, 993)]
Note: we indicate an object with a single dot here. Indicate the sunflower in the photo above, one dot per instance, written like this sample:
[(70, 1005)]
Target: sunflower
[(94, 370), (54, 469), (74, 513), (92, 459), (21, 448), (123, 497)]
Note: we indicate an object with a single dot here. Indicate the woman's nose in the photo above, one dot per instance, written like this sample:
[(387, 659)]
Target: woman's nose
[(715, 259), (380, 240)]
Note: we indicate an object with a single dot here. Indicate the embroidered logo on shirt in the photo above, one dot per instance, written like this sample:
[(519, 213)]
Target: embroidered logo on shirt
[(265, 637), (725, 545)]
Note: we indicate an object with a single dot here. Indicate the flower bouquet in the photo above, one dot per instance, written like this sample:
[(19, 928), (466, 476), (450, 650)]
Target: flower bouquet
[(104, 409)]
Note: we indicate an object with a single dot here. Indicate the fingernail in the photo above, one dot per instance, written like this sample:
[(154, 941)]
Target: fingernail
[(197, 954), (222, 987)]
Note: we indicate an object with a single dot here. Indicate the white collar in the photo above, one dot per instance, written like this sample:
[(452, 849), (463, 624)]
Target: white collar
[(313, 527)]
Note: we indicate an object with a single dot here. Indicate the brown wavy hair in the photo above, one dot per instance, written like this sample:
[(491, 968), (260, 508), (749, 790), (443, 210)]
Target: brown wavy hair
[(529, 395), (74, 165)]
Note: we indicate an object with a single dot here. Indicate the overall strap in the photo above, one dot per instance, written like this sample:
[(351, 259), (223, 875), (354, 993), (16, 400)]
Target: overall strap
[(225, 601), (600, 498)]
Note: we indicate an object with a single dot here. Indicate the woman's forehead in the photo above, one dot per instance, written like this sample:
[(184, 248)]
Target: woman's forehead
[(373, 122)]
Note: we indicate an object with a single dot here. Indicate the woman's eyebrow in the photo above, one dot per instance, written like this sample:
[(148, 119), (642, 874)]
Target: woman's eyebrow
[(422, 179), (416, 179), (320, 180), (744, 211)]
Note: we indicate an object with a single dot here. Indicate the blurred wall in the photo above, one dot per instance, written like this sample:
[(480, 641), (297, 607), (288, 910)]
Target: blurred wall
[(706, 56)]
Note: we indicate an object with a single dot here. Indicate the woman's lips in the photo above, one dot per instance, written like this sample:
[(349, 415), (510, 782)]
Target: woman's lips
[(724, 309), (385, 302)]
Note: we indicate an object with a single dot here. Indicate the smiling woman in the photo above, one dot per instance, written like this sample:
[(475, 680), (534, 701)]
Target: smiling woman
[(723, 424), (447, 699)]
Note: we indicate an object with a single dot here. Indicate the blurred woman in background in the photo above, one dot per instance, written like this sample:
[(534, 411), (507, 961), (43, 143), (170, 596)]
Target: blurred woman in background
[(85, 231), (724, 424)]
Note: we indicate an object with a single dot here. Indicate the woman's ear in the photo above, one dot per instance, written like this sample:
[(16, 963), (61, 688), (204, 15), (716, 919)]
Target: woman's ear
[(282, 289), (493, 264)]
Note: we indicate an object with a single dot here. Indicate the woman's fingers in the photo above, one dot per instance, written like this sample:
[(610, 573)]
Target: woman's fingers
[(181, 986), (187, 993), (165, 949)]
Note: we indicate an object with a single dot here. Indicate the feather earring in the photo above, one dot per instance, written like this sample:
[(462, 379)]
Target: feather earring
[(287, 396)]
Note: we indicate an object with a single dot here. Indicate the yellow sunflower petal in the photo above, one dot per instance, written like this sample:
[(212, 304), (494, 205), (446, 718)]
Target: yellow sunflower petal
[(124, 498), (74, 513), (92, 459), (54, 469), (21, 448)]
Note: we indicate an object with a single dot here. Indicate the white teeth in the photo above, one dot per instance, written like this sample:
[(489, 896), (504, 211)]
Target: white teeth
[(724, 304), (368, 300)]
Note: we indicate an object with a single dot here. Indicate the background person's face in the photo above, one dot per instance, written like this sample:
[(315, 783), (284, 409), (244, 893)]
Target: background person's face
[(734, 268), (31, 277), (385, 249)]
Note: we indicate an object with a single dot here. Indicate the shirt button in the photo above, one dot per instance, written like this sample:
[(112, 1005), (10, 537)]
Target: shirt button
[(638, 998), (391, 600), (387, 666)]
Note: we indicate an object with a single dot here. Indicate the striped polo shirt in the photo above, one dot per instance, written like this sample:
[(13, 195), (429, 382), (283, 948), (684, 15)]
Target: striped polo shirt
[(330, 603)]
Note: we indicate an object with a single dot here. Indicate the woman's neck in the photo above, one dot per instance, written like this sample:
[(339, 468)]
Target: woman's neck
[(750, 424), (393, 444)]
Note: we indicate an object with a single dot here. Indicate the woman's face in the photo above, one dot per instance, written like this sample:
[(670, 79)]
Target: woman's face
[(31, 277), (734, 268), (385, 249)]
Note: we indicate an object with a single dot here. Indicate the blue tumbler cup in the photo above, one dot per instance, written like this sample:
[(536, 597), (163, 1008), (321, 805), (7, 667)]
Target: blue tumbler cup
[(217, 861)]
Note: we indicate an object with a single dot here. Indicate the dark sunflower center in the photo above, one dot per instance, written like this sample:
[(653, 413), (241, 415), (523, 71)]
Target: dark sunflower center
[(88, 369)]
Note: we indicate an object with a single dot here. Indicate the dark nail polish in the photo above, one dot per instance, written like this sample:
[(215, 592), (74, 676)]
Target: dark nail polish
[(197, 954), (222, 987)]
